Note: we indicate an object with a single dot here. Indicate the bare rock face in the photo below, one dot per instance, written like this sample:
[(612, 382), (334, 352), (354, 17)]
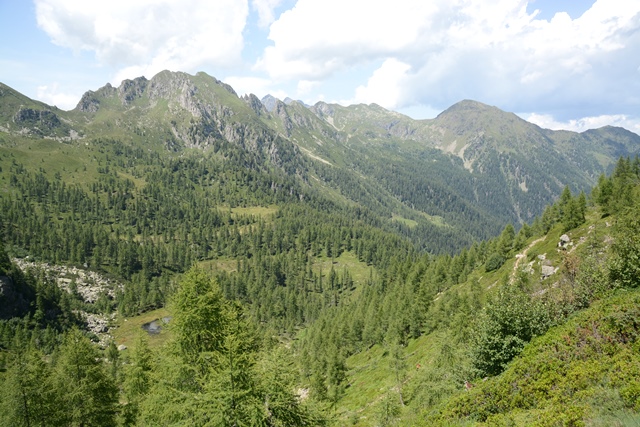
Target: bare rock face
[(90, 101), (564, 241), (548, 270), (39, 121), (269, 103), (97, 324), (254, 103), (280, 110), (323, 110), (88, 285), (130, 90), (177, 88)]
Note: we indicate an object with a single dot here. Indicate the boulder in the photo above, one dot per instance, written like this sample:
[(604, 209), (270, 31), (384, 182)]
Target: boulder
[(564, 241), (548, 270)]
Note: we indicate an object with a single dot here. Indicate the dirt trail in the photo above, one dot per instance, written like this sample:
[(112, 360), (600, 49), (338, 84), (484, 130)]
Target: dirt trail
[(523, 255)]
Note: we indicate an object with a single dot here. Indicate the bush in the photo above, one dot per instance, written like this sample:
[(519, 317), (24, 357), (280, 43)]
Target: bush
[(494, 262), (630, 395), (624, 266), (508, 324)]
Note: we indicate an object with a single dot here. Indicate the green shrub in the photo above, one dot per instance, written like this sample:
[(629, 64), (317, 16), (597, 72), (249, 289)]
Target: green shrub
[(494, 262), (624, 265), (630, 395), (509, 323)]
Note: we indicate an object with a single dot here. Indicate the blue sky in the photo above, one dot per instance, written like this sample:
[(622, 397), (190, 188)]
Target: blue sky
[(563, 64)]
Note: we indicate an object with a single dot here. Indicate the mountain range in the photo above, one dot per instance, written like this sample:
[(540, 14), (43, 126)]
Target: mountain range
[(312, 265), (472, 169)]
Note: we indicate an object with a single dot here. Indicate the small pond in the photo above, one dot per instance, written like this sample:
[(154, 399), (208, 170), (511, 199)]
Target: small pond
[(155, 326)]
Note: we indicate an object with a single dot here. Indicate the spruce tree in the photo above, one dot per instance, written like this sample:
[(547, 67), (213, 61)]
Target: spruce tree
[(86, 391), (199, 318), (27, 397)]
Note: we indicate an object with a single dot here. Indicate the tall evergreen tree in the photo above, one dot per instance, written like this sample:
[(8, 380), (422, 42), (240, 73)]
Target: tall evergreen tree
[(137, 378), (505, 241), (27, 395), (86, 391), (200, 319)]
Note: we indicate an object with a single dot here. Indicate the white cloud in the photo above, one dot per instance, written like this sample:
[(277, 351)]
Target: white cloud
[(492, 51), (306, 86), (384, 87), (143, 37), (315, 38), (53, 96), (265, 9), (547, 121)]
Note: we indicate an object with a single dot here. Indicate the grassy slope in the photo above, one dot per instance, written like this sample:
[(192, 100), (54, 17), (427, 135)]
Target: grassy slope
[(591, 369), (587, 370)]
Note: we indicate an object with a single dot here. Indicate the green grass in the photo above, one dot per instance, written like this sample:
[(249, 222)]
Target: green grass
[(371, 378), (224, 264), (74, 163), (127, 329), (359, 271), (434, 219), (586, 370), (257, 211), (408, 222)]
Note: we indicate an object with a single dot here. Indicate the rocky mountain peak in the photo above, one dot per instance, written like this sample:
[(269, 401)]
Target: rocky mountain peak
[(323, 110), (168, 85), (90, 101), (290, 101), (269, 102), (130, 90), (254, 102), (474, 117)]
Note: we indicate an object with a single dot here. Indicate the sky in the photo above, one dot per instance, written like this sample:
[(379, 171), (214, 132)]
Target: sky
[(562, 64)]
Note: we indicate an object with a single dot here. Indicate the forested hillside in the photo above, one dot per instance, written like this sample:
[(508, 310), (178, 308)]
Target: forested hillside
[(308, 265), (443, 183)]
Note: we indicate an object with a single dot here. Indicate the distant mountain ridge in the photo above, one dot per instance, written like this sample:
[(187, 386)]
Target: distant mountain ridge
[(473, 168), (520, 155)]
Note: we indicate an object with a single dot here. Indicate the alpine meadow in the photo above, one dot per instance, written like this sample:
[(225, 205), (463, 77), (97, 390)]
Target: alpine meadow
[(173, 254)]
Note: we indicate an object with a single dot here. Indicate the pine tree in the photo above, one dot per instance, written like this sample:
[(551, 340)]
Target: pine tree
[(86, 391), (199, 320), (336, 376), (572, 215), (624, 265), (277, 382), (582, 205), (505, 242), (521, 238), (564, 200), (603, 193), (27, 395), (232, 387), (137, 378)]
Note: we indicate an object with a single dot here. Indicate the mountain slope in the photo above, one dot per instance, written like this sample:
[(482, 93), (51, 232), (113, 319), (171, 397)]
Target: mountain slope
[(515, 165), (441, 182), (556, 324), (319, 235)]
